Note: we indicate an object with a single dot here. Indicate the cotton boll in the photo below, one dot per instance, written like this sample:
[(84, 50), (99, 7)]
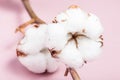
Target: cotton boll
[(89, 49), (35, 63), (57, 36), (34, 40), (71, 56), (36, 57), (93, 27)]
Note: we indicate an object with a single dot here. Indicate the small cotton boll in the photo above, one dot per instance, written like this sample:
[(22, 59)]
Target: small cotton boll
[(89, 49), (34, 40), (93, 27), (71, 56), (35, 63), (57, 36)]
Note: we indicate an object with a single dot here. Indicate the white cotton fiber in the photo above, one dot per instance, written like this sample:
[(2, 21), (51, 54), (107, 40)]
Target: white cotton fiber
[(52, 64), (62, 37), (93, 27), (89, 49), (57, 36), (71, 56), (73, 18), (62, 17), (35, 63), (77, 20), (38, 59), (34, 40)]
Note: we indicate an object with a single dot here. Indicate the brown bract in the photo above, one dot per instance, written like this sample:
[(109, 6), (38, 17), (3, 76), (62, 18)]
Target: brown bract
[(73, 7), (20, 54), (54, 53), (101, 38), (55, 21)]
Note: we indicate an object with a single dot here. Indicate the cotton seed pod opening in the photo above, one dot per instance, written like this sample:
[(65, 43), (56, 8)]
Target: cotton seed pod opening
[(84, 31)]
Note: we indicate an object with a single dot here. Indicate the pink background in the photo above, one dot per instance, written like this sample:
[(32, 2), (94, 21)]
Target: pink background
[(12, 14)]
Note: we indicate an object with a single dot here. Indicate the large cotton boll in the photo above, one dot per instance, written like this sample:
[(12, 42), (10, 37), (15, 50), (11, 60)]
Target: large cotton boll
[(89, 49), (35, 63), (57, 36), (37, 57), (93, 27), (34, 40), (71, 56)]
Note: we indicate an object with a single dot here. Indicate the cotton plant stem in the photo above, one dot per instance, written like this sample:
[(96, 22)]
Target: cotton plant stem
[(31, 12), (34, 17), (74, 74), (23, 26), (66, 71)]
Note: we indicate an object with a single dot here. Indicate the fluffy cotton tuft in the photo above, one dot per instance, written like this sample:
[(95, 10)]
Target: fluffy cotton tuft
[(93, 27), (89, 49), (35, 63), (33, 45), (57, 36), (71, 56), (74, 57), (34, 40), (73, 18)]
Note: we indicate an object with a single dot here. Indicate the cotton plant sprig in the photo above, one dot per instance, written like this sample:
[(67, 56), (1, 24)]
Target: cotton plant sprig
[(31, 50), (74, 38)]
